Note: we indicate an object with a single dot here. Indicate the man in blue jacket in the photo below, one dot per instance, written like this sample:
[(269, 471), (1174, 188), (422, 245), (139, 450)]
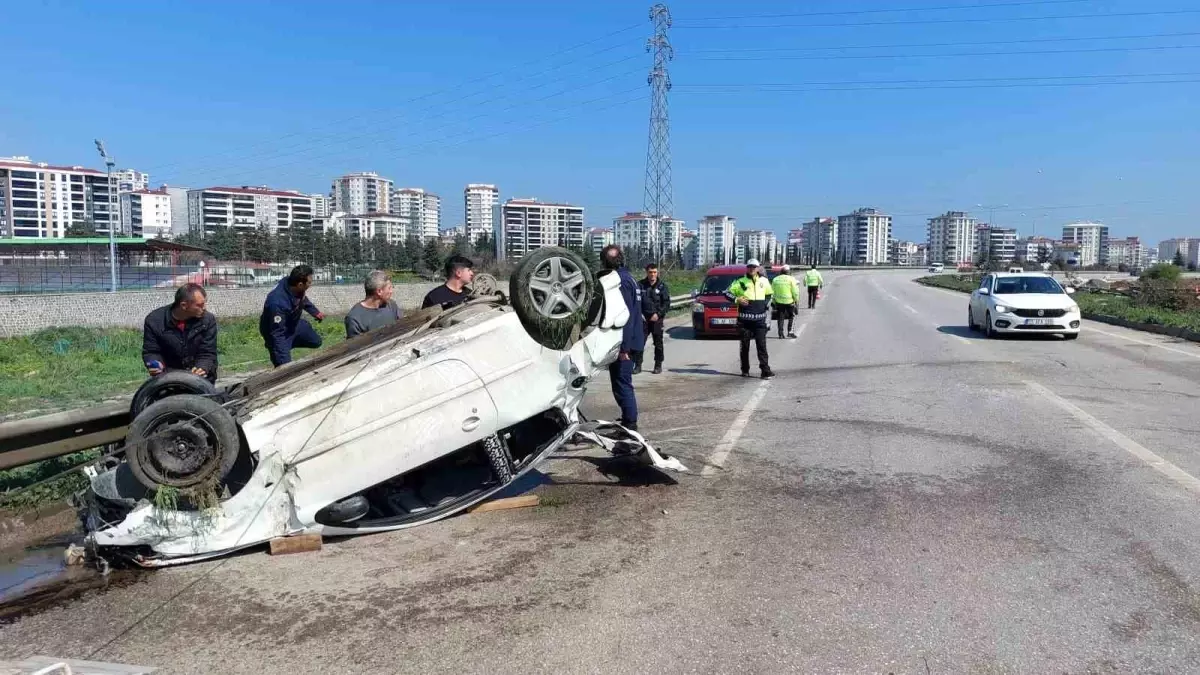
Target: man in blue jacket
[(281, 325), (633, 339)]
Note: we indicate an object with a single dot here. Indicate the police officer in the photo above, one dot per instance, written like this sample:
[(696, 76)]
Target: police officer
[(813, 282), (785, 296), (633, 340), (656, 302), (281, 324), (752, 293)]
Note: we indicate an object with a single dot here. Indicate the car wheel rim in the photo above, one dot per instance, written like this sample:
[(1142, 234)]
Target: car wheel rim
[(557, 288), (179, 450)]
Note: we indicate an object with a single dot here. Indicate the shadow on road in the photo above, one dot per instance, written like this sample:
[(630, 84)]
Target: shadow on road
[(628, 472), (961, 331), (682, 333), (967, 333), (699, 371)]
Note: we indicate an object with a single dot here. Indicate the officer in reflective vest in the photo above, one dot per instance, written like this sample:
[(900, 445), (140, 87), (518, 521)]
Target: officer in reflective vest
[(752, 293), (813, 282), (785, 297)]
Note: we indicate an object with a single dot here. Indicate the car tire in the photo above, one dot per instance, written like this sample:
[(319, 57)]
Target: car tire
[(182, 441), (970, 320), (987, 327), (498, 458), (551, 291), (170, 383), (1071, 336)]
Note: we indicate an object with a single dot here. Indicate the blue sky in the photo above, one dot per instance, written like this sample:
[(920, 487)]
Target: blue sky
[(436, 95)]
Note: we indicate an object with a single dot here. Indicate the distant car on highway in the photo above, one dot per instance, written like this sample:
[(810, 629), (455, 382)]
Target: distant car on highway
[(937, 268), (1030, 302), (713, 313)]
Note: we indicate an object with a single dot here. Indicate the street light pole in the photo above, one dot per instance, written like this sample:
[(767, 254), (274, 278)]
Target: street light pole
[(112, 238)]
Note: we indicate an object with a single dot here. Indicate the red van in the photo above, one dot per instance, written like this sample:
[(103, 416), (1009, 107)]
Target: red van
[(712, 312)]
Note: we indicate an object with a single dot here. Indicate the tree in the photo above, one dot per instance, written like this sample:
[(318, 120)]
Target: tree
[(431, 256), (1162, 271), (462, 246), (485, 247), (1178, 259), (412, 253), (82, 228), (223, 243)]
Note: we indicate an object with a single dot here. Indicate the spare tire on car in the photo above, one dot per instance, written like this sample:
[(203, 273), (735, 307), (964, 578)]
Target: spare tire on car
[(552, 290), (182, 441), (170, 383)]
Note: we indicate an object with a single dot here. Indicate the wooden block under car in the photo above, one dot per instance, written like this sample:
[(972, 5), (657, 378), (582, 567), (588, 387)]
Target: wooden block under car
[(524, 501), (301, 543)]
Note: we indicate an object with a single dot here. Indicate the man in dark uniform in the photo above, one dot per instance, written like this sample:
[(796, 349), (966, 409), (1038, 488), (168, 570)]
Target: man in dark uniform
[(656, 301), (281, 324), (633, 339), (182, 335)]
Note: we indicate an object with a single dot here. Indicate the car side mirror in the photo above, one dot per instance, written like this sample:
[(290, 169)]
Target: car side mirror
[(984, 291), (695, 292)]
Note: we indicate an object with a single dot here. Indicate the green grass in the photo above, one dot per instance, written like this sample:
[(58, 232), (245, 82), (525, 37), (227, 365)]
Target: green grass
[(64, 367)]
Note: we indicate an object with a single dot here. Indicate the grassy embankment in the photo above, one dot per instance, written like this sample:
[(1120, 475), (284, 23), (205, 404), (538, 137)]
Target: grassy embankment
[(1138, 310)]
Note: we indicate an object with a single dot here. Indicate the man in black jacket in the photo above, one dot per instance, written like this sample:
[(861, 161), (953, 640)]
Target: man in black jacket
[(182, 336), (656, 302)]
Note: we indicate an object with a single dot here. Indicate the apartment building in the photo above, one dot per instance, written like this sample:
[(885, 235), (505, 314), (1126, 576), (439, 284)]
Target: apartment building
[(528, 224), (821, 240), (689, 244), (1187, 247), (952, 239), (365, 192), (1035, 250), (391, 227), (130, 180), (641, 231), (761, 245), (480, 210), (904, 253), (146, 213), (247, 208), (423, 209), (995, 244), (716, 236), (39, 201), (1128, 251), (179, 209), (794, 251), (321, 205), (863, 237), (1092, 239), (598, 238)]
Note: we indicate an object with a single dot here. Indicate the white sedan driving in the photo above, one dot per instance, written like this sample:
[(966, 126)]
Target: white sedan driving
[(1028, 302)]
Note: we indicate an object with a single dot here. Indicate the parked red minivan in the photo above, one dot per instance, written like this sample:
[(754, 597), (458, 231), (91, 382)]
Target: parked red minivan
[(713, 313)]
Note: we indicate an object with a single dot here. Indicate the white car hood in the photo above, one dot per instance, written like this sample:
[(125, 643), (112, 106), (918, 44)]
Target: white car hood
[(1035, 301)]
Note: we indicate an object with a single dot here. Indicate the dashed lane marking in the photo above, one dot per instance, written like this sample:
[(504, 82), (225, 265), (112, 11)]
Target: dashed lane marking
[(720, 454)]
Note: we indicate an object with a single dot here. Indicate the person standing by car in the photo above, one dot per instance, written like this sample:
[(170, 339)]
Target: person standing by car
[(752, 293), (633, 337), (813, 282), (281, 324), (182, 335), (785, 296), (656, 301), (377, 309), (459, 273)]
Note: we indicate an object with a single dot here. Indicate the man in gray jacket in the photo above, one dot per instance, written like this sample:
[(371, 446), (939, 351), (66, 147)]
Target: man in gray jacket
[(377, 309)]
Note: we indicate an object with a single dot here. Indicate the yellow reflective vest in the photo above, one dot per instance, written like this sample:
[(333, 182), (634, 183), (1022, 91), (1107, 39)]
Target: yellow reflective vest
[(785, 289), (813, 278), (756, 290)]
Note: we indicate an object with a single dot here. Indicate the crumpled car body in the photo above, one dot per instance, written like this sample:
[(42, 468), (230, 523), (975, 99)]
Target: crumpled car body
[(418, 427)]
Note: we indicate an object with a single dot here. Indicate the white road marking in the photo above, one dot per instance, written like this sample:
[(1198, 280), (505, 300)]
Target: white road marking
[(1183, 478), (960, 338), (720, 454), (1194, 355)]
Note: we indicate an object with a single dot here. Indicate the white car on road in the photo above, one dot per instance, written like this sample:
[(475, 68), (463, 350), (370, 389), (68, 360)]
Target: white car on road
[(1028, 302)]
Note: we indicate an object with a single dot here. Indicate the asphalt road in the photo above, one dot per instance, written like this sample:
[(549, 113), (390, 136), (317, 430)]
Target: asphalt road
[(904, 497)]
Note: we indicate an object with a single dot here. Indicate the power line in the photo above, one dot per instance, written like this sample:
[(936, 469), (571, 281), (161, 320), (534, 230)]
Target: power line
[(843, 57), (973, 43), (924, 87), (918, 22), (938, 81), (857, 12)]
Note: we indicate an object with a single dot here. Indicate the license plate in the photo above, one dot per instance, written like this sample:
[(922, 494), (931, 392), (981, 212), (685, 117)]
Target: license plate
[(1039, 322), (724, 322)]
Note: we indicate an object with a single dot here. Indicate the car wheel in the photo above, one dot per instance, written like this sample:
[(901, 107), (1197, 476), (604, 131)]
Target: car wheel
[(170, 383), (970, 319), (181, 442), (552, 291), (987, 326), (484, 284), (1071, 336), (498, 458)]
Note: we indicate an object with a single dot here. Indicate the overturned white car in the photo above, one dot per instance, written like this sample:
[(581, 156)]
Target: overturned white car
[(395, 428)]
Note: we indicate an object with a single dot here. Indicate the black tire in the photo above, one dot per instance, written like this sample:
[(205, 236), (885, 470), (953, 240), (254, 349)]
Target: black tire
[(170, 383), (970, 320), (497, 454), (181, 442), (987, 327), (551, 291)]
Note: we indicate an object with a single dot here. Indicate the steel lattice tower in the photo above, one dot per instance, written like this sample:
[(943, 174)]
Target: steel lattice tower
[(659, 198)]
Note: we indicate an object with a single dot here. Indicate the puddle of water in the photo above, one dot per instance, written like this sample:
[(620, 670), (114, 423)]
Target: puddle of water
[(35, 567)]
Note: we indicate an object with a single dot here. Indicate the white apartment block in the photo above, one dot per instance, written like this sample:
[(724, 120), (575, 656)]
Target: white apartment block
[(393, 228), (423, 209), (997, 244), (529, 224), (129, 180), (480, 212), (361, 193), (333, 223), (179, 210), (248, 208), (1128, 251), (689, 243), (39, 201), (146, 213), (1187, 247), (863, 237), (952, 239), (758, 244), (821, 240), (1035, 250), (598, 238), (639, 231), (905, 253), (321, 207), (794, 251), (1092, 239), (716, 236)]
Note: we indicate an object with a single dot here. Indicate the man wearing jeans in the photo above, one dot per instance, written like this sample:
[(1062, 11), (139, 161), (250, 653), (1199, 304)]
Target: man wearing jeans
[(281, 324), (633, 340)]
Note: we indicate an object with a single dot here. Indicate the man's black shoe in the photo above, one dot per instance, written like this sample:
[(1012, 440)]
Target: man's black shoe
[(745, 373), (768, 374), (637, 369), (657, 369)]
